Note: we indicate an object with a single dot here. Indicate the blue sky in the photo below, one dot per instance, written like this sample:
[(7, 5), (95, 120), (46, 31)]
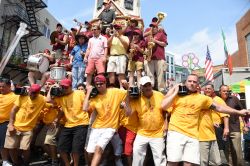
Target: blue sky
[(191, 24)]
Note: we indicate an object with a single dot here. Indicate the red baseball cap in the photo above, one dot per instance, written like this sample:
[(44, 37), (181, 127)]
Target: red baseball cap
[(51, 81), (100, 78), (66, 82), (138, 31), (35, 88), (153, 24)]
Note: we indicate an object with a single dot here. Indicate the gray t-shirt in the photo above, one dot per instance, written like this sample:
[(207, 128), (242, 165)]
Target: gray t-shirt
[(107, 16)]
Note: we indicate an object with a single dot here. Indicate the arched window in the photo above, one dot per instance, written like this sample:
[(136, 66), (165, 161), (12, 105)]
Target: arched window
[(129, 4), (99, 4)]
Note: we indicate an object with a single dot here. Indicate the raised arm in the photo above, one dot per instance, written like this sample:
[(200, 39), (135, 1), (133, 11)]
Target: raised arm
[(86, 99), (169, 97)]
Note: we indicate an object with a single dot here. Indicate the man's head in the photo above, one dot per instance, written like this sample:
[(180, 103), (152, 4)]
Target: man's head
[(96, 30), (154, 27), (48, 84), (137, 34), (81, 39), (73, 31), (224, 92), (133, 22), (146, 86), (100, 84), (81, 87), (88, 25), (34, 91), (66, 85), (209, 90), (59, 27), (118, 28), (106, 4), (192, 83), (5, 85)]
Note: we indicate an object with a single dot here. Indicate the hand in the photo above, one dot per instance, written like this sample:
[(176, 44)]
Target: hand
[(216, 125), (125, 84), (89, 88), (11, 129), (104, 59), (225, 133), (243, 112), (245, 130), (85, 59)]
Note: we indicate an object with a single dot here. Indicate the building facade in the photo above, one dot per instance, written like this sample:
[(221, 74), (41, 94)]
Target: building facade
[(170, 73), (40, 25), (242, 57)]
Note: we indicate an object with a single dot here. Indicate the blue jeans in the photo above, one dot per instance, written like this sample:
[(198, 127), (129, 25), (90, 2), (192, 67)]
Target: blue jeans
[(77, 75)]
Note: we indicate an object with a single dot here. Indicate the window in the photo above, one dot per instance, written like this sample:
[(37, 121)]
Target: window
[(129, 4), (172, 60), (46, 31), (172, 69), (248, 47), (167, 59)]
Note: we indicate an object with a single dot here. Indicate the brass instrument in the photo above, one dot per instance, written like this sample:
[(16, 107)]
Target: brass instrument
[(132, 51), (160, 16), (78, 23)]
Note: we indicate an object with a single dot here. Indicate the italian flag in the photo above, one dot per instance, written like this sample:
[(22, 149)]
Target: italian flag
[(228, 61)]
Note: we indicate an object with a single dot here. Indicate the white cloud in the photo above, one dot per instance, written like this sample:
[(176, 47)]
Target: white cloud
[(81, 16), (198, 42)]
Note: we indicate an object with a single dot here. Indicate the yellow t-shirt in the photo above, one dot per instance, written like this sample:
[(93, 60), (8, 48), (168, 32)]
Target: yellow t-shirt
[(150, 115), (48, 114), (206, 126), (28, 113), (185, 113), (217, 116), (72, 107), (131, 122), (108, 109), (117, 48), (6, 104)]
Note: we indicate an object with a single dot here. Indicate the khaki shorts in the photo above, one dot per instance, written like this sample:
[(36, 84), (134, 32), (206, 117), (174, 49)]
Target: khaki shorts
[(47, 136), (135, 66), (117, 64), (19, 140)]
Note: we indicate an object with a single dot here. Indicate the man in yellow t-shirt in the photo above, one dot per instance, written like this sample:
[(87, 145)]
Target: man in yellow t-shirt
[(151, 124), (117, 62), (23, 119), (209, 149), (182, 137), (7, 99), (107, 106), (73, 135)]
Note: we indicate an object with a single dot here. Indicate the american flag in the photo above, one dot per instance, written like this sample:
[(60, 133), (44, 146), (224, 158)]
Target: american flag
[(208, 67)]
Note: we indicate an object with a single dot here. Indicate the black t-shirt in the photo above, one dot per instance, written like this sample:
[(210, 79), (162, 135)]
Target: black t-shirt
[(234, 122)]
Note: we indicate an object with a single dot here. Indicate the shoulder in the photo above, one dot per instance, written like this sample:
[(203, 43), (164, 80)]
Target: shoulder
[(158, 94)]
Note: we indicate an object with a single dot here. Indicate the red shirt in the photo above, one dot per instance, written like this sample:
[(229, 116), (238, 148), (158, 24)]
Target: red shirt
[(138, 56), (72, 43), (159, 51), (58, 46)]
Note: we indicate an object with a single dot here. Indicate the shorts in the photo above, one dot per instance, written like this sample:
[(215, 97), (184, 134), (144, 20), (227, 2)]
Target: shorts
[(99, 137), (128, 138), (3, 129), (35, 74), (117, 64), (117, 144), (46, 136), (135, 66), (182, 148), (72, 139), (19, 140), (97, 64)]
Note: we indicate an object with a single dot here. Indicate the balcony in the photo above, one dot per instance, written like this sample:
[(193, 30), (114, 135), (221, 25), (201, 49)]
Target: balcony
[(16, 12)]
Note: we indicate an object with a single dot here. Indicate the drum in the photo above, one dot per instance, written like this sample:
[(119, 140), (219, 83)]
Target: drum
[(57, 73), (38, 63)]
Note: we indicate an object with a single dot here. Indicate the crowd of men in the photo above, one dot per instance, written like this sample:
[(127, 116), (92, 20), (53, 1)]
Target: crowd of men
[(69, 120)]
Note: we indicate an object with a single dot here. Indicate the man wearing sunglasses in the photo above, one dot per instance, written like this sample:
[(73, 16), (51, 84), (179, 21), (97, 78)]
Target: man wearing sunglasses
[(73, 134), (7, 99), (23, 119), (107, 106), (96, 54)]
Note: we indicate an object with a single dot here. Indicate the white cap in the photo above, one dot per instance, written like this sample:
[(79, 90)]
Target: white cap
[(144, 80)]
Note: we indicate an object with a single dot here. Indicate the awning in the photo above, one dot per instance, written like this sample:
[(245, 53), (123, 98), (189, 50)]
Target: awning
[(239, 87)]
